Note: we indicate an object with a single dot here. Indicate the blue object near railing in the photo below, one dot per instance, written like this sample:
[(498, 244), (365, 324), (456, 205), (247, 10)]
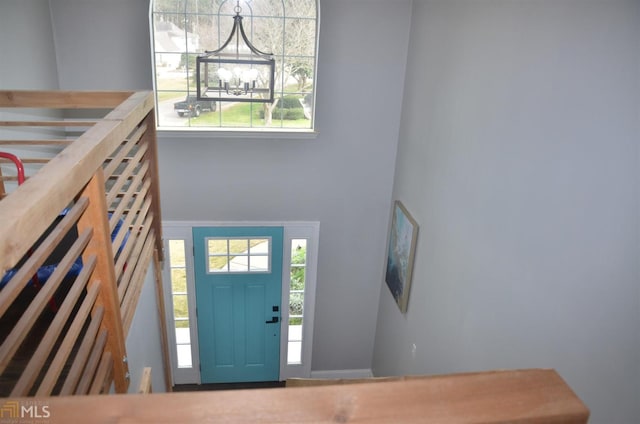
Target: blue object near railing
[(45, 271)]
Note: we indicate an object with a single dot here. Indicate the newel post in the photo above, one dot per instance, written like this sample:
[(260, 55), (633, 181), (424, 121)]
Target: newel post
[(96, 217)]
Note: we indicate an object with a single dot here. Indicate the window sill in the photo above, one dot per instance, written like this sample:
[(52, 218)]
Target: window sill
[(276, 134)]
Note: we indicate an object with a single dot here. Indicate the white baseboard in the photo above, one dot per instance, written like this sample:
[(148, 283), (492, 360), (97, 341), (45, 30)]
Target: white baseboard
[(361, 373)]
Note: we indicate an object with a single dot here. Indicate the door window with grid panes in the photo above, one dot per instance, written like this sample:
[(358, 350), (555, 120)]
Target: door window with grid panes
[(238, 255)]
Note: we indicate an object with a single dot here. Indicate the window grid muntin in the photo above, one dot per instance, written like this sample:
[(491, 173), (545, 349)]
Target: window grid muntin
[(281, 60), (229, 255)]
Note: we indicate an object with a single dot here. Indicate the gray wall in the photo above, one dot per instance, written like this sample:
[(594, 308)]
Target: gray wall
[(28, 61), (102, 44), (26, 46), (342, 179), (519, 157), (144, 339)]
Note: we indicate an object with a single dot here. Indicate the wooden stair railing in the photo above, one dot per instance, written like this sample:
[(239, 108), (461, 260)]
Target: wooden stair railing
[(94, 207), (516, 397)]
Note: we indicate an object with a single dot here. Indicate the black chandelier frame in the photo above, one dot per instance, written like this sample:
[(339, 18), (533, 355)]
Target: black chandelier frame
[(241, 91)]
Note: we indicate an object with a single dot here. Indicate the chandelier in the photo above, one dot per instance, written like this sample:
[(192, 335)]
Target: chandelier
[(237, 71)]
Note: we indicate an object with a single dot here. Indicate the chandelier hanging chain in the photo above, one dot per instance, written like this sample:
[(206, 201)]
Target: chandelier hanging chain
[(237, 9)]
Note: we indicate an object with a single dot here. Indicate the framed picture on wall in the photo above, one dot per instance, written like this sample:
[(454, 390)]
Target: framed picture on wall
[(400, 254)]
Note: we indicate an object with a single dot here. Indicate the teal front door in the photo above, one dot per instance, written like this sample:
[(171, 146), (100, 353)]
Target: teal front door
[(238, 272)]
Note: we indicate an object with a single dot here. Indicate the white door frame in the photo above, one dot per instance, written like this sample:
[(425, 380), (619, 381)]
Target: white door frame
[(309, 230)]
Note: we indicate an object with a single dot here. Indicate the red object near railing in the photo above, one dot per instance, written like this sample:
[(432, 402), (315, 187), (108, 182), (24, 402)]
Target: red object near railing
[(20, 168), (17, 162)]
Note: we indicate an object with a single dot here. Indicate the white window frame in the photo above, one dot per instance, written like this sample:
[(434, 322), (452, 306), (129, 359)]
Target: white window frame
[(183, 230), (181, 375), (171, 133), (311, 232)]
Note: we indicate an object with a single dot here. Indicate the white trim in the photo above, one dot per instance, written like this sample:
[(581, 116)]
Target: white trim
[(309, 230), (182, 375), (357, 373), (165, 133)]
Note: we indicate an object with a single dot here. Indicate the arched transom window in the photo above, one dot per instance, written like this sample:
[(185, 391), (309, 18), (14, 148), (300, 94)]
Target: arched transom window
[(183, 29)]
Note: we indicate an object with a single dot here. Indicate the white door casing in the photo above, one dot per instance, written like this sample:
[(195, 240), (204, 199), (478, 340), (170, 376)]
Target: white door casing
[(182, 230)]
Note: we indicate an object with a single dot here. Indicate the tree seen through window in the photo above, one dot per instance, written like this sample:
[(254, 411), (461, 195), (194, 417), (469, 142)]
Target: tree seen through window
[(183, 29)]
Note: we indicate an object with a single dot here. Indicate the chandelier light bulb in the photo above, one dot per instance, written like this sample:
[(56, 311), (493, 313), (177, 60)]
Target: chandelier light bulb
[(224, 74), (249, 75)]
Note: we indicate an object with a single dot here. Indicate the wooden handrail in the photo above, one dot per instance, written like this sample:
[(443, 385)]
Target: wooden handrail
[(48, 123), (523, 396), (51, 189), (96, 200), (59, 99)]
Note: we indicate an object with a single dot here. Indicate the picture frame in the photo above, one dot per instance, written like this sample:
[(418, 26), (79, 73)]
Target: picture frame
[(403, 235)]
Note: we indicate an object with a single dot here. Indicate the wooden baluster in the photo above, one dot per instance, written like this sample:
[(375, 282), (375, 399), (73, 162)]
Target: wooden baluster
[(145, 382), (151, 156), (100, 245), (2, 189), (157, 268)]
